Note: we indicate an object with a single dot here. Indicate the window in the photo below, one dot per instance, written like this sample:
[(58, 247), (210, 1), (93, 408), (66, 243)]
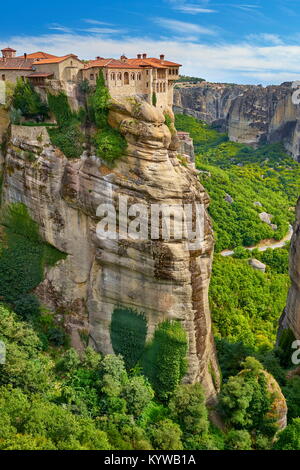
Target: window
[(71, 63), (157, 87), (132, 76), (3, 77), (139, 77), (119, 77), (126, 78), (164, 87), (113, 76), (91, 76), (147, 84)]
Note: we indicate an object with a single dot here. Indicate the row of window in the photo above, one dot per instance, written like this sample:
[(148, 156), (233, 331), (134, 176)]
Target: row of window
[(173, 71), (119, 76), (161, 87)]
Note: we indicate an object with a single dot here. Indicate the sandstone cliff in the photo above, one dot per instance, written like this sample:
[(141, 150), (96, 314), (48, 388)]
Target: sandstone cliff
[(159, 278), (250, 114), (291, 315)]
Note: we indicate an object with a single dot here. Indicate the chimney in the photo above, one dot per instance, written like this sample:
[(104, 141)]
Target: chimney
[(123, 58), (25, 55), (144, 56), (162, 57), (98, 57), (139, 56)]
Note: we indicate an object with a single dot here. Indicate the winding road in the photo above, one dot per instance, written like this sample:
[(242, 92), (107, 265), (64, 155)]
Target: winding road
[(263, 245)]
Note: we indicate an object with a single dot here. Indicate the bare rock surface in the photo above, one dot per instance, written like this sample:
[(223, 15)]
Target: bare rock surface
[(160, 278)]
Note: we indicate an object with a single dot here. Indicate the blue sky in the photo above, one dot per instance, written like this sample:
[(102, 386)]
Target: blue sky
[(250, 41)]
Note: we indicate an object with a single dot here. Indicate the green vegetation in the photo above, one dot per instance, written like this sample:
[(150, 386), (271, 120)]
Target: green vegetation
[(110, 144), (27, 103), (245, 400), (246, 304), (262, 180), (68, 136), (154, 99), (289, 438), (164, 361), (186, 78), (23, 257), (128, 332)]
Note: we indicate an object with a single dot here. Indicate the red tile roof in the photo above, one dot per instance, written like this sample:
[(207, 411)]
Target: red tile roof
[(54, 59), (40, 55), (131, 63), (153, 62), (110, 63), (16, 63), (39, 75)]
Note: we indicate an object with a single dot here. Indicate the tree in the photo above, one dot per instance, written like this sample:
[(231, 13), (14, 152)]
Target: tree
[(138, 394), (166, 435), (28, 101), (238, 440), (289, 438), (187, 406), (245, 400)]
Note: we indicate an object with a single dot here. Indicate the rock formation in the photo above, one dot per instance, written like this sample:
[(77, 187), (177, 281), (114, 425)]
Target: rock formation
[(291, 316), (160, 278), (250, 114)]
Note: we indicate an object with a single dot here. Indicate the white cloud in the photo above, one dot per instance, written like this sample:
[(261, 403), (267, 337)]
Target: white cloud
[(182, 27), (59, 27), (240, 63), (192, 9), (266, 38), (103, 30), (91, 21), (246, 7)]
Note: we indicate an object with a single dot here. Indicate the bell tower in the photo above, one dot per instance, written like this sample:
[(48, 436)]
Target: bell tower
[(8, 53)]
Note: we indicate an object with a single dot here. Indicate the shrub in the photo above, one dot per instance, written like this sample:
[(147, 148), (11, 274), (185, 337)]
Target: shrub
[(68, 137), (110, 144), (28, 101), (154, 99)]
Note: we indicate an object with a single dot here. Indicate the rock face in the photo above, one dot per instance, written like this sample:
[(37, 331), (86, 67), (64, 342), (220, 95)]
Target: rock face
[(291, 315), (250, 114), (278, 412), (209, 102), (160, 278)]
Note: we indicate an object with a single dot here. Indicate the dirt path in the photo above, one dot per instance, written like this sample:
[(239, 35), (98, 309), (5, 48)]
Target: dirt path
[(263, 245)]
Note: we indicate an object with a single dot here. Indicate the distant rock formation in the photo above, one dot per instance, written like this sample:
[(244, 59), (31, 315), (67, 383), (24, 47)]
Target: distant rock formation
[(250, 114)]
